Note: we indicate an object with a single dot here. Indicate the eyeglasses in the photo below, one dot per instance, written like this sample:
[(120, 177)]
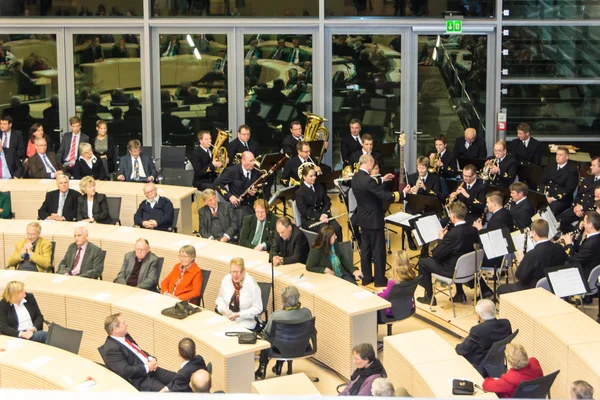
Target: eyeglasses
[(183, 256)]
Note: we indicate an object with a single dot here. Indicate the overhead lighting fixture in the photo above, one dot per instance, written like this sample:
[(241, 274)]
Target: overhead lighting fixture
[(197, 54), (190, 41)]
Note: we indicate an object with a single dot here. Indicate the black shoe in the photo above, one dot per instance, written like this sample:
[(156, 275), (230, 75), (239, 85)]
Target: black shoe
[(261, 372), (460, 298), (277, 368), (487, 294), (366, 282), (411, 242), (588, 299), (427, 300)]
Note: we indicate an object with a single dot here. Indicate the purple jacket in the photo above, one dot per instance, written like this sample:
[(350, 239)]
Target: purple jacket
[(386, 292), (365, 389)]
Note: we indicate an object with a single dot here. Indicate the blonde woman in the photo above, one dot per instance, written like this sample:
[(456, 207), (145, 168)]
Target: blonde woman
[(20, 315), (520, 368), (402, 271), (103, 145), (88, 164), (239, 298), (92, 206)]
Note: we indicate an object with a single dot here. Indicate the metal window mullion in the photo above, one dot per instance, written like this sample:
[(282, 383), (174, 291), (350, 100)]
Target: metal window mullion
[(545, 22), (409, 90), (235, 66), (492, 87), (69, 77), (550, 81)]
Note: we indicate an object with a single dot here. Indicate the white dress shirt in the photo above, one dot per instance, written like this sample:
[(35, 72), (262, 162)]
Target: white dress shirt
[(90, 206), (23, 316), (77, 139), (134, 351), (250, 300)]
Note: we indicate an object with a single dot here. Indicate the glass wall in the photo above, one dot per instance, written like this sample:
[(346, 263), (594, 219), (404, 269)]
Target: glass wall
[(193, 81), (551, 9), (278, 85), (235, 8), (409, 8), (72, 8)]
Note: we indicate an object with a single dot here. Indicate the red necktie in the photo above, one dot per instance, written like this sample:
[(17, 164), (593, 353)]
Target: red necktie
[(136, 348), (72, 151), (76, 261), (214, 212)]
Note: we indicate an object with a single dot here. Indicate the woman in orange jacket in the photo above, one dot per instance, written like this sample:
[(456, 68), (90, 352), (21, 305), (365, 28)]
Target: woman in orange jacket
[(185, 280)]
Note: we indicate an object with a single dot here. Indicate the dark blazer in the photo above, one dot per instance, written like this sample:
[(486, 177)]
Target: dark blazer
[(522, 214), (543, 255), (65, 146), (227, 216), (110, 152), (432, 184), (232, 181), (162, 213), (204, 170), (294, 250), (289, 145), (12, 162), (81, 169), (9, 321), (476, 150), (481, 338), (50, 205), (99, 209), (476, 201), (560, 184), (126, 168), (36, 168), (90, 57), (181, 382), (349, 146), (318, 260), (249, 227), (508, 172), (148, 277), (280, 54), (585, 193), (91, 266), (236, 146), (312, 204), (530, 155), (17, 143), (354, 157), (123, 361), (450, 168), (587, 254), (370, 195), (290, 170), (500, 219), (457, 242)]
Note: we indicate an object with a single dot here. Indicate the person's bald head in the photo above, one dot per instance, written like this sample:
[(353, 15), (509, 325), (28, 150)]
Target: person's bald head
[(80, 235), (200, 381), (470, 134), (247, 160)]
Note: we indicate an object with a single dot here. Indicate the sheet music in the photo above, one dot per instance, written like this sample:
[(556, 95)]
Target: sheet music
[(551, 219), (401, 218), (518, 239), (567, 282), (429, 227), (494, 244)]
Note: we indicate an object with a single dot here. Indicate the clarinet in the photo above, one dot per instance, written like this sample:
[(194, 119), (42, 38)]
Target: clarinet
[(577, 235), (526, 233), (509, 204)]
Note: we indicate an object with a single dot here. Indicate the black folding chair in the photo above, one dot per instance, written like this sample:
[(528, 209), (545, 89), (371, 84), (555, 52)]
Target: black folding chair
[(114, 209), (535, 388), (401, 297), (292, 341), (64, 338), (494, 362), (173, 227)]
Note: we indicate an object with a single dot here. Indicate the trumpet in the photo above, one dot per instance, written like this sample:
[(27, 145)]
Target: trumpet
[(350, 170), (486, 174), (328, 219), (453, 195), (433, 159)]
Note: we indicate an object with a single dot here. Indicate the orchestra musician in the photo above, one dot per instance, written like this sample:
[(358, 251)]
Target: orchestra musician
[(353, 142), (472, 194), (423, 182), (443, 160), (242, 143), (290, 141), (525, 149), (370, 196), (559, 181), (290, 169), (584, 200), (471, 146), (367, 148), (519, 205), (585, 253), (313, 204), (202, 161), (506, 169), (235, 180)]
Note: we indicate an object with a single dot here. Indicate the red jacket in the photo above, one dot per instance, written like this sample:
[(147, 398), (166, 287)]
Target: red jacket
[(190, 284), (506, 385)]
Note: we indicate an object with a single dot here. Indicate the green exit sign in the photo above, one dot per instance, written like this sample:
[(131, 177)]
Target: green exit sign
[(453, 26)]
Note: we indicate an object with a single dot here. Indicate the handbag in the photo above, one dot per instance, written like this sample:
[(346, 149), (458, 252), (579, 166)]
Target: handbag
[(181, 310), (462, 387), (247, 338)]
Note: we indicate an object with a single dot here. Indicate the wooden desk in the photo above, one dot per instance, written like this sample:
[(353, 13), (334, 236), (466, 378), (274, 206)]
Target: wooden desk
[(584, 364), (107, 75), (16, 230), (30, 365), (290, 385)]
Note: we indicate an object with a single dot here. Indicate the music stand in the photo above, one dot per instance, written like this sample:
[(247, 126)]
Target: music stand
[(419, 204), (497, 243), (477, 162), (269, 160), (530, 174), (567, 281), (425, 237), (538, 200), (328, 179), (385, 149), (284, 194), (315, 149)]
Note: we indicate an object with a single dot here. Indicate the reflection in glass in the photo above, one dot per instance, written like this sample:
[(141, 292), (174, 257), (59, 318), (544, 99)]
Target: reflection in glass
[(108, 85), (193, 81), (29, 82), (278, 83), (558, 51), (557, 9), (409, 8), (366, 86), (234, 8), (560, 110), (72, 8), (452, 87)]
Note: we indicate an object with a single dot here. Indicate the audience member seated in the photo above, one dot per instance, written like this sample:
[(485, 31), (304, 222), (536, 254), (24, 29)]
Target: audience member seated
[(325, 257), (292, 313), (97, 100), (520, 368), (67, 152), (258, 229), (239, 297), (192, 362), (124, 357), (193, 98), (42, 164), (581, 390), (5, 206), (402, 271), (82, 258), (185, 280), (119, 49), (383, 387), (60, 204), (201, 381), (12, 138), (482, 336), (140, 267), (171, 48), (218, 220), (17, 110), (289, 245), (156, 212), (26, 85), (585, 253), (20, 315), (104, 146), (368, 368), (135, 110), (88, 165), (135, 166), (33, 253), (36, 131), (10, 166), (92, 206), (93, 53)]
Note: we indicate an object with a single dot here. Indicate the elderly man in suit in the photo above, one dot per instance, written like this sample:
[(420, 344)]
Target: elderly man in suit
[(33, 253), (124, 357), (61, 204), (192, 362), (289, 245), (12, 138), (140, 267), (83, 258), (68, 152), (217, 220), (10, 166), (135, 166), (43, 163), (258, 228), (156, 212)]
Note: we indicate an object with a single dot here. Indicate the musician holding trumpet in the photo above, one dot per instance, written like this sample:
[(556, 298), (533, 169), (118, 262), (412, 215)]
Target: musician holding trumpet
[(204, 166), (502, 168), (443, 161)]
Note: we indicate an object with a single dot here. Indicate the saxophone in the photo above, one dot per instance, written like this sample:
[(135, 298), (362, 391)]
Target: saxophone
[(219, 150)]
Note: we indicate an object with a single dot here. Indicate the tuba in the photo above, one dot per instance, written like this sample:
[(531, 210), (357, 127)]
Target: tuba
[(219, 150), (349, 170), (315, 130)]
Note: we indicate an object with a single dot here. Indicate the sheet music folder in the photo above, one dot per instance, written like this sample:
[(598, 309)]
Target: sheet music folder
[(269, 160), (567, 281), (496, 243), (426, 228)]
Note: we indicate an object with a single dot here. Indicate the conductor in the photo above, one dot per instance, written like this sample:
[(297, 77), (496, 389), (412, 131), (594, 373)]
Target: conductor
[(370, 195)]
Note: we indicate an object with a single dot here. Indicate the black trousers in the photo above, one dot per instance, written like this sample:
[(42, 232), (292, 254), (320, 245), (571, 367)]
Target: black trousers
[(372, 249), (428, 266), (334, 224), (566, 219), (157, 380), (558, 206)]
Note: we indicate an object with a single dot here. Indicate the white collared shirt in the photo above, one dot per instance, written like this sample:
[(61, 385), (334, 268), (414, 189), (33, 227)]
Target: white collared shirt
[(77, 138), (89, 163), (442, 153), (23, 316), (592, 234), (520, 201), (153, 203), (6, 137), (137, 353), (247, 174), (142, 172), (459, 223), (90, 208), (561, 166), (542, 241), (526, 142)]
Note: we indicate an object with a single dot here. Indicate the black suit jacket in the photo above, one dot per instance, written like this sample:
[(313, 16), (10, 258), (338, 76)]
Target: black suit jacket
[(36, 167), (476, 201), (508, 172), (123, 362), (290, 170), (65, 146), (370, 195), (181, 382), (50, 205), (476, 150), (13, 163), (249, 227), (126, 168), (585, 193), (294, 250), (99, 209), (481, 338), (227, 217), (289, 145), (432, 184), (354, 157), (233, 177), (522, 213), (560, 184), (312, 204), (204, 170), (500, 219), (236, 146), (457, 242), (543, 255), (587, 254), (530, 155), (450, 168), (17, 143), (81, 169), (349, 146), (90, 57), (9, 322)]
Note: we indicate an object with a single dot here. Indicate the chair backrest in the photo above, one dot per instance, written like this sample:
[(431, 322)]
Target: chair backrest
[(205, 278), (402, 298), (265, 292), (494, 362), (543, 283), (52, 255), (64, 338), (535, 388), (292, 340), (346, 250), (466, 267), (114, 209), (352, 204), (310, 236), (593, 278), (159, 267), (172, 157), (177, 177), (297, 218), (175, 218), (209, 367), (104, 162)]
